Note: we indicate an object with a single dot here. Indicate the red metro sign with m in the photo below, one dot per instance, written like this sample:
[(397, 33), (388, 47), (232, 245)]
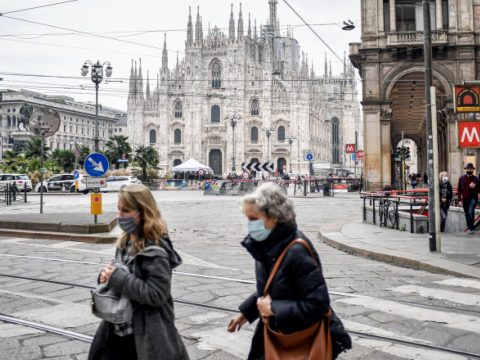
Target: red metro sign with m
[(469, 134)]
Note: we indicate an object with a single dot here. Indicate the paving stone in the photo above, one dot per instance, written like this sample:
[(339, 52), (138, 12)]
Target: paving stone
[(44, 340), (21, 353), (65, 348)]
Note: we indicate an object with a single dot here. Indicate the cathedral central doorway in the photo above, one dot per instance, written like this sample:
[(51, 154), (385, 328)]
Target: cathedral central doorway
[(215, 161)]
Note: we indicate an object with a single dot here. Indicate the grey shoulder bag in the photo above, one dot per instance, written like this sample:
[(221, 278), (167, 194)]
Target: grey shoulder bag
[(110, 305)]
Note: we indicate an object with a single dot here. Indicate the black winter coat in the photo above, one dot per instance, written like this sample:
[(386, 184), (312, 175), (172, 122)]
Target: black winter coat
[(153, 319), (299, 292)]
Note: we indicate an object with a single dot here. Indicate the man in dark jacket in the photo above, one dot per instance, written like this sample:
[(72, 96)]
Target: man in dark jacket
[(467, 194)]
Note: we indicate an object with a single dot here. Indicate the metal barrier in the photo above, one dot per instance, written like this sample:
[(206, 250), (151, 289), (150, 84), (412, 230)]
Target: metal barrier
[(10, 193), (389, 204)]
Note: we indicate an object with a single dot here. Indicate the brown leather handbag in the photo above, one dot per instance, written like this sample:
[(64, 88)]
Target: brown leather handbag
[(312, 343)]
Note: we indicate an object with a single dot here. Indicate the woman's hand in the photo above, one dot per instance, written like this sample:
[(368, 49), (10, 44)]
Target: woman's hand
[(264, 305), (236, 323), (106, 273)]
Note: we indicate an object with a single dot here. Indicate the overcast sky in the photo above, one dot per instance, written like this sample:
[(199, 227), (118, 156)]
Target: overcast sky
[(39, 50)]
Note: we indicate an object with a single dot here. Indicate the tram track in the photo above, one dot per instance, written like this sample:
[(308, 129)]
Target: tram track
[(87, 338), (253, 282)]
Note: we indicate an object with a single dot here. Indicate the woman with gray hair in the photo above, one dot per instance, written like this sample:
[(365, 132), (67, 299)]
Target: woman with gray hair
[(298, 296)]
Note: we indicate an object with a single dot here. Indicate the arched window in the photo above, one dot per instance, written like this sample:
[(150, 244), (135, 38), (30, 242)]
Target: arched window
[(254, 107), (153, 137), (14, 120), (177, 136), (254, 135), (178, 109), (281, 133), (335, 141), (216, 75), (177, 162), (215, 114), (9, 121)]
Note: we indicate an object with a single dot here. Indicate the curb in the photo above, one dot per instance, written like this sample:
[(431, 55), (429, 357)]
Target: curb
[(393, 259), (45, 235)]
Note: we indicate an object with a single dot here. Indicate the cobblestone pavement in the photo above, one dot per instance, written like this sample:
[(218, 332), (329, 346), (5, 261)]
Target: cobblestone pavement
[(207, 232)]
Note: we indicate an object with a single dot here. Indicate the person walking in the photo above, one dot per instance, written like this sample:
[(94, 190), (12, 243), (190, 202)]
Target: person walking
[(446, 195), (467, 194), (298, 295), (145, 247), (413, 181)]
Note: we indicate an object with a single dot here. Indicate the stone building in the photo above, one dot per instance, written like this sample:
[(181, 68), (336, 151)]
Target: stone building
[(391, 64), (256, 73), (77, 119)]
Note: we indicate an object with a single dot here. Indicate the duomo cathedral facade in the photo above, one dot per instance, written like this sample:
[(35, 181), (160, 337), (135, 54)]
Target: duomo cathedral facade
[(257, 76)]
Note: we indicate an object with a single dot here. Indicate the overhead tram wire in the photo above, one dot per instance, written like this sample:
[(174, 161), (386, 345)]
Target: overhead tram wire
[(37, 7), (140, 44), (316, 34)]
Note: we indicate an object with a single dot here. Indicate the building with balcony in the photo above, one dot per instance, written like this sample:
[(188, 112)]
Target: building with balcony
[(390, 62)]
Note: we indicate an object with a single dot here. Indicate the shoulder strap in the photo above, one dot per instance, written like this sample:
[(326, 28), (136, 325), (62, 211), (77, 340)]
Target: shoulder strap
[(277, 264)]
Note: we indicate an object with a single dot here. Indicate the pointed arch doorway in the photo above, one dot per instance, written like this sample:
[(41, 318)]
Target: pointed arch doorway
[(215, 161)]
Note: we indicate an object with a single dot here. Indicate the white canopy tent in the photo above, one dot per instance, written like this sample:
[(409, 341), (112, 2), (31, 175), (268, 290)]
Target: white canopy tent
[(193, 166)]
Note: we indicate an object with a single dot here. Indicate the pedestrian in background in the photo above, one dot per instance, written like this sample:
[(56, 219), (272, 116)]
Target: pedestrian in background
[(467, 194), (298, 296), (446, 195), (413, 181), (145, 247)]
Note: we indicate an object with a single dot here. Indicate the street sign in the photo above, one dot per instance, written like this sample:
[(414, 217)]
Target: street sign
[(468, 134), (309, 156), (354, 156), (254, 166), (95, 182), (200, 172), (349, 148), (467, 98), (76, 174), (44, 122), (359, 154), (96, 164), (245, 175), (96, 204)]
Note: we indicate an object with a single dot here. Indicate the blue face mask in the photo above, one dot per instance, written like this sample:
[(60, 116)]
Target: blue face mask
[(256, 229)]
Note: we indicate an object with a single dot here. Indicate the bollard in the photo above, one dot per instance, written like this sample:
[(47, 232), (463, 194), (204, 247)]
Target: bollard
[(25, 192), (305, 188)]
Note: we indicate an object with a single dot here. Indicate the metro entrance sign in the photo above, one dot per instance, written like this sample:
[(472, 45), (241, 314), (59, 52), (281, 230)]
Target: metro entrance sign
[(350, 148), (469, 134)]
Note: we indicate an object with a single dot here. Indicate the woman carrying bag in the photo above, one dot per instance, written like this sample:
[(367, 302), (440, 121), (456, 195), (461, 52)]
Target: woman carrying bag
[(146, 250), (296, 299)]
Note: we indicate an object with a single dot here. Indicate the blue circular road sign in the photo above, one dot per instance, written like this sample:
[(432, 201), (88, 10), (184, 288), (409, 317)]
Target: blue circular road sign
[(309, 156), (96, 164), (76, 174)]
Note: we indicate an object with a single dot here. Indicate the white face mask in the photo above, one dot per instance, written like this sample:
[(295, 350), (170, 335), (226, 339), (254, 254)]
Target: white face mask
[(445, 179)]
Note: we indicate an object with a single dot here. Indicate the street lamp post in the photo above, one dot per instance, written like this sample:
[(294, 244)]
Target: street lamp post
[(96, 72), (268, 132), (234, 119), (290, 142)]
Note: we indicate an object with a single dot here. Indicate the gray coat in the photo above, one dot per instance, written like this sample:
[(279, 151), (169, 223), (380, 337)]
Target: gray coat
[(153, 319)]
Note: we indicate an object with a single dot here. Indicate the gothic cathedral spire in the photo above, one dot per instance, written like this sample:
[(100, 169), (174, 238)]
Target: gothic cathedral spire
[(231, 28), (164, 53), (148, 86), (190, 28), (240, 25), (249, 27), (273, 15), (198, 29), (140, 80)]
